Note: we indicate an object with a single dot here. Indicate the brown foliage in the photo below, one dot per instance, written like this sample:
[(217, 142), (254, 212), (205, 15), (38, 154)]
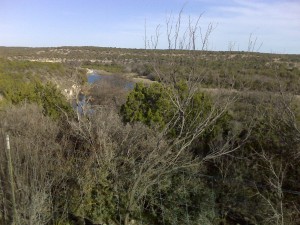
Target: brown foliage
[(36, 162)]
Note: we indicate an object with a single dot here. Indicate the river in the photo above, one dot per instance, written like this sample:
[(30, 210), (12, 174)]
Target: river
[(93, 79), (117, 80)]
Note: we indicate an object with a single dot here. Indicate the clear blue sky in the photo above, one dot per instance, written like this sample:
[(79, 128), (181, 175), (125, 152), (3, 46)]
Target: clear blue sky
[(120, 23)]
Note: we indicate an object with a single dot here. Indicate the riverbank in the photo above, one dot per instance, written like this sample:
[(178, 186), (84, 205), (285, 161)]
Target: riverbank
[(134, 77)]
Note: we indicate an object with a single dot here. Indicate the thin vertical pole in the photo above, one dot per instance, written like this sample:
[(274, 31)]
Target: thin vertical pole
[(11, 178)]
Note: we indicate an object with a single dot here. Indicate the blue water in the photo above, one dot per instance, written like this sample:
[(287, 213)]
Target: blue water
[(94, 77)]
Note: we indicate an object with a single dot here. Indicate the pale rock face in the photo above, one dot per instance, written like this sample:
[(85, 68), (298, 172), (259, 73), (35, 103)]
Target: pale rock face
[(89, 71), (70, 93)]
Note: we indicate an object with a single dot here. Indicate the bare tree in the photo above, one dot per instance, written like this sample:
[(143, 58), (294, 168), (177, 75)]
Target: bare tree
[(169, 23), (155, 38), (252, 42), (33, 157), (276, 165), (110, 91), (206, 35), (275, 179), (192, 32), (162, 155)]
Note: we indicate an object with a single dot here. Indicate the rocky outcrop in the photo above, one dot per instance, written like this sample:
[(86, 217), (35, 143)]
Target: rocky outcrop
[(72, 92)]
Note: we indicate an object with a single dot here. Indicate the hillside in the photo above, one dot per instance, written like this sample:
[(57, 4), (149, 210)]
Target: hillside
[(214, 139), (255, 71)]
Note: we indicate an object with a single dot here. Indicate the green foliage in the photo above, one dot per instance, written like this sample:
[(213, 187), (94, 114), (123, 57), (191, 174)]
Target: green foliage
[(148, 105), (94, 198), (258, 72), (182, 198), (47, 96), (226, 190), (31, 70), (18, 85), (152, 105), (112, 68), (53, 102)]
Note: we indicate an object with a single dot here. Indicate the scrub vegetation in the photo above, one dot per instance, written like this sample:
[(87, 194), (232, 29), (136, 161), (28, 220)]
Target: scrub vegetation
[(214, 139)]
